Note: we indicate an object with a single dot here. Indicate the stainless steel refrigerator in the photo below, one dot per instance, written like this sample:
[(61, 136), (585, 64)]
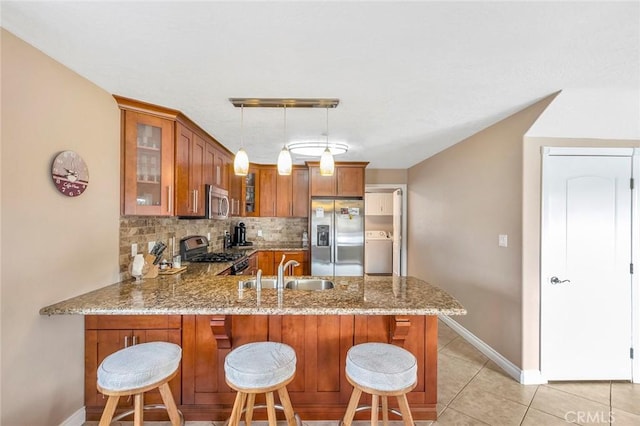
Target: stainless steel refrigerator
[(337, 237)]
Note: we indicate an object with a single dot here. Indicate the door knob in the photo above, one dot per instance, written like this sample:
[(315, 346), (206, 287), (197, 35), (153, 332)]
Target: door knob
[(556, 280)]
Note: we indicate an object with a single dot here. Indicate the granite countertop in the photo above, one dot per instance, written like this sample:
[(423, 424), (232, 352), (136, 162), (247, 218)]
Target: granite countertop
[(198, 290)]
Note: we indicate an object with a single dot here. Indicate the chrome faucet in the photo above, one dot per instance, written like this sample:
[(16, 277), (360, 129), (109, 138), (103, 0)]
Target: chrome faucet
[(281, 268), (259, 281)]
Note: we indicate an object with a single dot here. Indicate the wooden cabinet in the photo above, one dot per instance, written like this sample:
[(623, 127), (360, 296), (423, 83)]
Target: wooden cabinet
[(265, 262), (301, 256), (106, 334), (250, 188), (284, 196), (378, 204), (166, 161), (147, 164), (292, 193), (267, 191), (253, 264), (190, 172), (347, 180), (236, 205)]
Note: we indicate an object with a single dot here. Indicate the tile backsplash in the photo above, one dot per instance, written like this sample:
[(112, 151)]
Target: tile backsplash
[(276, 232)]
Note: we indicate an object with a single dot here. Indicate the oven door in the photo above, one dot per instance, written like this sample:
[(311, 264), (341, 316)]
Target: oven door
[(217, 200)]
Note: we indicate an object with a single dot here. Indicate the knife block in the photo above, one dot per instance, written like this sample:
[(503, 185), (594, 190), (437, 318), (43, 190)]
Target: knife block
[(153, 269)]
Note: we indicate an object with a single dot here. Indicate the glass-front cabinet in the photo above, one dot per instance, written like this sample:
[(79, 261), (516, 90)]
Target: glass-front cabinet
[(148, 164)]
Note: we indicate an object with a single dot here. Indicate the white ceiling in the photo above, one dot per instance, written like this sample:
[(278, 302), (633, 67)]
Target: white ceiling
[(412, 77)]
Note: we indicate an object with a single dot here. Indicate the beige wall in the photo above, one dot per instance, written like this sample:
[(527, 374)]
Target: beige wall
[(460, 200), (532, 166), (53, 247), (379, 176)]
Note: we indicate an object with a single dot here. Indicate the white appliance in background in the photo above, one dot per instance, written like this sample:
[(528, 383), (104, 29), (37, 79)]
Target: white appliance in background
[(378, 252), (397, 232), (337, 237)]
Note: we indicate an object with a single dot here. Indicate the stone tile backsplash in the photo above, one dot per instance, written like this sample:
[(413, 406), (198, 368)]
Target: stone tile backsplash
[(283, 232)]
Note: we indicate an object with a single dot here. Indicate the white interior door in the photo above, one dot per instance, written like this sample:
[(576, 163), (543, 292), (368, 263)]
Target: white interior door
[(397, 232), (586, 282)]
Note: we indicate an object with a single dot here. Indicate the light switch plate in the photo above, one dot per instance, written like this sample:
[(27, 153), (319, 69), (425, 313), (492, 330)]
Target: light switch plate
[(134, 249), (503, 240), (150, 245), (259, 232)]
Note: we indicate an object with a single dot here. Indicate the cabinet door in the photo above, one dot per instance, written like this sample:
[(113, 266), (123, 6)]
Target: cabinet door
[(203, 379), (321, 343), (350, 181), (147, 175), (251, 203), (236, 202), (265, 262), (253, 264), (267, 191), (284, 206), (210, 156), (190, 159), (321, 186), (300, 192), (221, 170), (299, 256)]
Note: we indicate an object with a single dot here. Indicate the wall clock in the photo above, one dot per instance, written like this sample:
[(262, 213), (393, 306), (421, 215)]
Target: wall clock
[(70, 173)]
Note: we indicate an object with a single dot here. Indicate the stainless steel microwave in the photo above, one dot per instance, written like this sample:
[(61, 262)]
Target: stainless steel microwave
[(217, 202)]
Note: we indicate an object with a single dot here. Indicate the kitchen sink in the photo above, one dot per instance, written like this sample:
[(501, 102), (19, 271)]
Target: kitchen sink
[(309, 284), (266, 283)]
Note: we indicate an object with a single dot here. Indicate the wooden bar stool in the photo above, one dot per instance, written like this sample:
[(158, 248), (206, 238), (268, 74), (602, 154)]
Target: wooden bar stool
[(261, 367), (135, 370), (382, 370)]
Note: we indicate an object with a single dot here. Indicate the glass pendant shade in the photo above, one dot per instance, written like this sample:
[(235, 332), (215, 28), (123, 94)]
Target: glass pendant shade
[(284, 162), (327, 165), (241, 163)]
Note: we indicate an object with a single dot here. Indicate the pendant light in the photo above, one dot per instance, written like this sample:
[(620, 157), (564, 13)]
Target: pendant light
[(327, 165), (284, 158), (241, 160)]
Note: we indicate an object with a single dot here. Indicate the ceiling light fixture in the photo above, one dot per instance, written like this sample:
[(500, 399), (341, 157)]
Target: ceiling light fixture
[(284, 158), (241, 160), (316, 148), (327, 164)]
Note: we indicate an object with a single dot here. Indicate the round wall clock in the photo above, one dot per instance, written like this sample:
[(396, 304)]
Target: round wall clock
[(70, 173)]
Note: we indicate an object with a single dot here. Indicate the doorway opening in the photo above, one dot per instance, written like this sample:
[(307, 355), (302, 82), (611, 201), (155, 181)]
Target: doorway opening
[(388, 216)]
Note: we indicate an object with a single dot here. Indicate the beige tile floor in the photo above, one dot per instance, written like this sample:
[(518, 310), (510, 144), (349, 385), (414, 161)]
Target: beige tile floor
[(474, 391)]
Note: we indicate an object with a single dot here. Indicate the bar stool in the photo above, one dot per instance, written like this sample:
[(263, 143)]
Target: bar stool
[(382, 370), (261, 367), (135, 370)]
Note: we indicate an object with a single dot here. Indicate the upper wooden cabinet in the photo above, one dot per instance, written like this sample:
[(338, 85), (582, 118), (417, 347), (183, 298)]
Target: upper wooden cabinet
[(190, 173), (284, 196), (267, 191), (166, 161), (347, 180), (147, 164)]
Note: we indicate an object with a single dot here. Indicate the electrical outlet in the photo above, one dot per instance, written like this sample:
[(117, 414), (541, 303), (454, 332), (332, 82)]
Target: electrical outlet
[(134, 249), (503, 240), (150, 245), (208, 236), (259, 232)]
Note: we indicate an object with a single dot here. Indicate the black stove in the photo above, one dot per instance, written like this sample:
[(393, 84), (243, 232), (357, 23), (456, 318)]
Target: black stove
[(195, 249)]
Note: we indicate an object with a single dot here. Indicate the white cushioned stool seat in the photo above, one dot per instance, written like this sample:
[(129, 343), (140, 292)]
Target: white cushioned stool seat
[(381, 366), (139, 366), (382, 370), (260, 365)]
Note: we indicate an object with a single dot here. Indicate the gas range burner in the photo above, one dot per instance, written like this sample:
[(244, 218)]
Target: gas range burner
[(217, 257)]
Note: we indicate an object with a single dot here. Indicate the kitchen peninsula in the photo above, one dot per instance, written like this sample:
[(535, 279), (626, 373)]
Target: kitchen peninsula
[(208, 315)]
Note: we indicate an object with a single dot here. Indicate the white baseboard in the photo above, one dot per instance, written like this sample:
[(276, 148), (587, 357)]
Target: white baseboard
[(526, 377), (76, 419)]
